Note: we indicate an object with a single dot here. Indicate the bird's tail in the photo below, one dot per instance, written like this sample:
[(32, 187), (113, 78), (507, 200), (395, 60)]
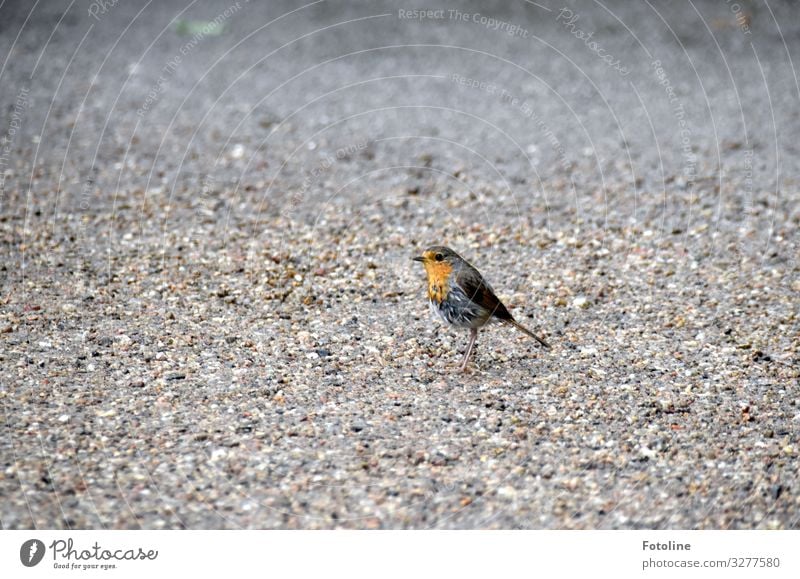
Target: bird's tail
[(525, 330)]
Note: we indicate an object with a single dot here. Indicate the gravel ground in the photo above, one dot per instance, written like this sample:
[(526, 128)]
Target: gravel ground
[(209, 316)]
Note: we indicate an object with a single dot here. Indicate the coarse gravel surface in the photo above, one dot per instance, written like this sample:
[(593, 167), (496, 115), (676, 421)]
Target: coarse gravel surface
[(209, 316)]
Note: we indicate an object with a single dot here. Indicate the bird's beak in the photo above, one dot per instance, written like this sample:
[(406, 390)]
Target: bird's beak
[(419, 258)]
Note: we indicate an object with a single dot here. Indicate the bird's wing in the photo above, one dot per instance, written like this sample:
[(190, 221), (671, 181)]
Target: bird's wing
[(480, 292)]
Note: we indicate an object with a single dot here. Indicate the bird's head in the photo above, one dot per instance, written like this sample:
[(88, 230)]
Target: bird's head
[(438, 260)]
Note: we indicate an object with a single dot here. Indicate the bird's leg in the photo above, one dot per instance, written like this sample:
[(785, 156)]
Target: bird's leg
[(473, 335)]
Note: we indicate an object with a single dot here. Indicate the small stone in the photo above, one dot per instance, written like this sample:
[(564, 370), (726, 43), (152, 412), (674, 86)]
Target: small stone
[(647, 452), (581, 302), (507, 492)]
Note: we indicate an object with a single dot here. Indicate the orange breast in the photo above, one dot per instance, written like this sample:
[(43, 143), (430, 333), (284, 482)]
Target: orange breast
[(438, 279)]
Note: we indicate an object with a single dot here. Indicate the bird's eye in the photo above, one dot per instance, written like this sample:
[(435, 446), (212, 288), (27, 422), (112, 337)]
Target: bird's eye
[(438, 257)]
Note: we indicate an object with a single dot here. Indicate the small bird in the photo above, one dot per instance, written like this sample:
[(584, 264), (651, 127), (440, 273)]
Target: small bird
[(461, 297)]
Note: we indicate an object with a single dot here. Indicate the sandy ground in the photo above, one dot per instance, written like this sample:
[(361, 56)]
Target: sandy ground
[(209, 316)]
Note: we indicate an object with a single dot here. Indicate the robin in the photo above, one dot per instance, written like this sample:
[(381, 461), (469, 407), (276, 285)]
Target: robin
[(461, 297)]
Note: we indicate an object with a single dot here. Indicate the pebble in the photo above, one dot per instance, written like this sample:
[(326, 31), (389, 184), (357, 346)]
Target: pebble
[(581, 302)]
